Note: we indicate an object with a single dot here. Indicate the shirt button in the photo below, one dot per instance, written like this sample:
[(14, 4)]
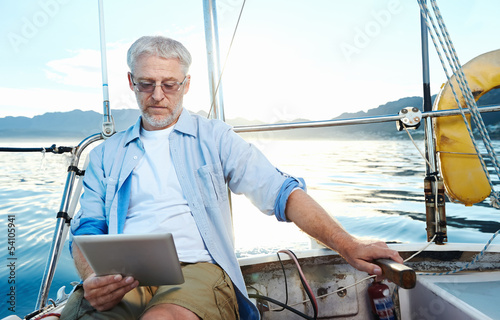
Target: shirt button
[(135, 157)]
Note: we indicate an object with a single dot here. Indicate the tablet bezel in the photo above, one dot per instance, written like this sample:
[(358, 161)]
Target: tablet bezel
[(150, 258)]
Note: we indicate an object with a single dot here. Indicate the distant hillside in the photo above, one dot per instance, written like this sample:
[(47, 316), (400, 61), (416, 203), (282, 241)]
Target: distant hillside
[(80, 124), (74, 123), (386, 130)]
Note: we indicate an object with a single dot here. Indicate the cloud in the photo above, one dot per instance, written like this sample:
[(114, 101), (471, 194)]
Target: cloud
[(81, 69), (34, 101), (73, 83)]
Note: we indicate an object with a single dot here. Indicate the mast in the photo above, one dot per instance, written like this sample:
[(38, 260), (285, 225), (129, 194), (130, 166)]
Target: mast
[(213, 59), (433, 183), (108, 126)]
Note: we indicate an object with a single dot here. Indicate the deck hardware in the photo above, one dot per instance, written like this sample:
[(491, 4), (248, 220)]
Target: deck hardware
[(411, 117), (77, 171), (435, 217), (341, 292), (65, 216)]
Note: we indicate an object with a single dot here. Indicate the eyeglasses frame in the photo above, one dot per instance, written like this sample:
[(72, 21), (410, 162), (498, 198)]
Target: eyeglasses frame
[(155, 85)]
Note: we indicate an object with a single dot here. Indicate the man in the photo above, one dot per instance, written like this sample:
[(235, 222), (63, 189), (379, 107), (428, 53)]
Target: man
[(168, 173)]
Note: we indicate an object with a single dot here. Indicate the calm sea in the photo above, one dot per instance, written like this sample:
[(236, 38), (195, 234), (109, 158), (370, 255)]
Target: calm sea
[(375, 189)]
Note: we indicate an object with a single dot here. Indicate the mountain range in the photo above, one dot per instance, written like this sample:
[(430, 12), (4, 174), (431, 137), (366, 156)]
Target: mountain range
[(79, 124)]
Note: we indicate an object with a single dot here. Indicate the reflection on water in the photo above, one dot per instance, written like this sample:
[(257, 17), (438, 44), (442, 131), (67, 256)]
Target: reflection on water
[(375, 188)]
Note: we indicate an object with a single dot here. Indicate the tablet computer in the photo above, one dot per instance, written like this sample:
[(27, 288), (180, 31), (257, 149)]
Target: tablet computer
[(149, 258)]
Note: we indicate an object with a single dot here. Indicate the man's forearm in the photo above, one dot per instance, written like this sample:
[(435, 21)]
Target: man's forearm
[(81, 264), (309, 216)]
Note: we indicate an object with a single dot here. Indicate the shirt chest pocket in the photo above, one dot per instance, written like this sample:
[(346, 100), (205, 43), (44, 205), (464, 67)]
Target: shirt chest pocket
[(211, 185)]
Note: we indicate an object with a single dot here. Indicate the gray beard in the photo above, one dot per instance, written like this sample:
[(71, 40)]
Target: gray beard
[(157, 122)]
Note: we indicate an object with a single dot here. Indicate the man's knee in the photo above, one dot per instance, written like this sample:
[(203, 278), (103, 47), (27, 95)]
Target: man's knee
[(169, 311)]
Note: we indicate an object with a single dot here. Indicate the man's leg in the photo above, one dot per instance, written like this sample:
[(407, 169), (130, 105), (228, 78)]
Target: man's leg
[(167, 311), (207, 293), (131, 307)]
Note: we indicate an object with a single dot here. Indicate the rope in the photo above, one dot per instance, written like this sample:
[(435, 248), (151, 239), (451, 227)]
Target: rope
[(451, 56), (469, 264)]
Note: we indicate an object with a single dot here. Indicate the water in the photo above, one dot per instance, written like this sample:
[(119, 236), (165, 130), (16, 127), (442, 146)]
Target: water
[(375, 189)]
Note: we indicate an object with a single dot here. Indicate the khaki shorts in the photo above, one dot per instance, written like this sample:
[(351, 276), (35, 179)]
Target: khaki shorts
[(207, 291)]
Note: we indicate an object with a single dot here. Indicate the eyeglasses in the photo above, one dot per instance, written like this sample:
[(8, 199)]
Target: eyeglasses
[(167, 87)]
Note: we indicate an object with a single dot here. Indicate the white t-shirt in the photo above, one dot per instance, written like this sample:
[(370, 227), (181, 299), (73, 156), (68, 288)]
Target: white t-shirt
[(157, 203)]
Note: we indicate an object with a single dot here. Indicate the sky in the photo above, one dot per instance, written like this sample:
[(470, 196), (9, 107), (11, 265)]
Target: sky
[(290, 59)]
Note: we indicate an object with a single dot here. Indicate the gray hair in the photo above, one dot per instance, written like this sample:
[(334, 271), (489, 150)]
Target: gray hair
[(159, 46)]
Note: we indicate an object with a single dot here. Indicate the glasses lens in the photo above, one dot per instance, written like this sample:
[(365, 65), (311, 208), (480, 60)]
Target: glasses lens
[(145, 87), (167, 87)]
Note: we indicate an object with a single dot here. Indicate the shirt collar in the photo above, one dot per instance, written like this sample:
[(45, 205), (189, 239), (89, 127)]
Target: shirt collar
[(133, 132), (185, 124)]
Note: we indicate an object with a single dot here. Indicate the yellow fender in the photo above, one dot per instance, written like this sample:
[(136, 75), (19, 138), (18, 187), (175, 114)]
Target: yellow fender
[(463, 176)]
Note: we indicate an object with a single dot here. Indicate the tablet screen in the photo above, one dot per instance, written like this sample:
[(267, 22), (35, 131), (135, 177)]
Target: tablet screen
[(149, 258)]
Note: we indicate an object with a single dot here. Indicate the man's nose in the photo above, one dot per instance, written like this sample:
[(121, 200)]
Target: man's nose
[(158, 94)]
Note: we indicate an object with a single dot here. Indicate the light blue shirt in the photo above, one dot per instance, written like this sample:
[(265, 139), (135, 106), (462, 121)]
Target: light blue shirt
[(206, 155)]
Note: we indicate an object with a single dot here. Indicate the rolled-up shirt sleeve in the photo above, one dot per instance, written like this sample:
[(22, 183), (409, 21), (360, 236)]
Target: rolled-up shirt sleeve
[(291, 184)]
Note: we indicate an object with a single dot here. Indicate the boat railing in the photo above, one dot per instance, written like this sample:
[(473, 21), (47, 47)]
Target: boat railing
[(354, 121), (66, 211)]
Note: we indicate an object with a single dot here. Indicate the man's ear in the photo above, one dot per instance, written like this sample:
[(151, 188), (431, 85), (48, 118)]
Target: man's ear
[(130, 83), (186, 85)]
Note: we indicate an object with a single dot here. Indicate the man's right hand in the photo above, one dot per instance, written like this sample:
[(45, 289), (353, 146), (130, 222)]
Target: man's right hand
[(105, 292)]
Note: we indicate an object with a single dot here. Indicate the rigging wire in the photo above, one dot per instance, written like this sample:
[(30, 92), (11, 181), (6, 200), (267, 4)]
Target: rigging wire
[(212, 106), (453, 62)]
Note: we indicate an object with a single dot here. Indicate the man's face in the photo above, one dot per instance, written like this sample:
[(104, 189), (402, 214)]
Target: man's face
[(159, 110)]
